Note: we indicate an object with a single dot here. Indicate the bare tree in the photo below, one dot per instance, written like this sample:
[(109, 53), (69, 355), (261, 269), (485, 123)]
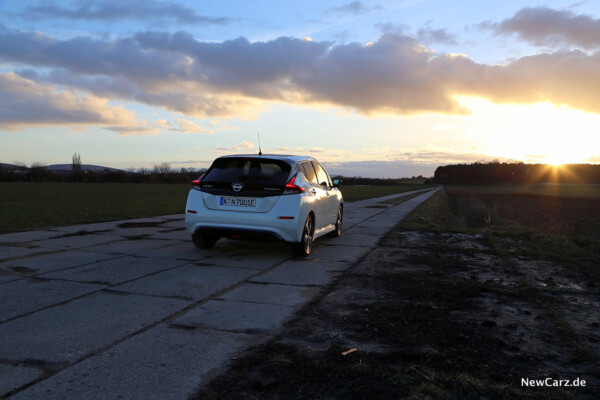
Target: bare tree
[(163, 168), (143, 171), (76, 164)]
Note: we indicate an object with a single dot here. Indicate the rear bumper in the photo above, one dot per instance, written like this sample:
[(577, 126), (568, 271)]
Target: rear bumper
[(249, 225)]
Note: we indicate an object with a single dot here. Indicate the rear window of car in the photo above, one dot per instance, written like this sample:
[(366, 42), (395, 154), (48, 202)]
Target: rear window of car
[(233, 169)]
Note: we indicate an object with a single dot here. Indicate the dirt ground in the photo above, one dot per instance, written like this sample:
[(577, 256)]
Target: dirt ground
[(433, 315)]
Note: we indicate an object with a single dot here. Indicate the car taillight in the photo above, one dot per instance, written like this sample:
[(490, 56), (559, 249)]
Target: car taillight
[(290, 188), (196, 183)]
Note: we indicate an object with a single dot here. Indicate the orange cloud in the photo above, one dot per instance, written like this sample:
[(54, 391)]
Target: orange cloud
[(394, 75), (25, 103)]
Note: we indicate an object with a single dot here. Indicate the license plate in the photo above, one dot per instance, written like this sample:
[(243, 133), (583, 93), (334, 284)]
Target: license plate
[(237, 202)]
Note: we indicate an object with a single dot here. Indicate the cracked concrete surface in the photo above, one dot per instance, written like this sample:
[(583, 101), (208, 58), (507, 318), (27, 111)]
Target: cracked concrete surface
[(133, 309)]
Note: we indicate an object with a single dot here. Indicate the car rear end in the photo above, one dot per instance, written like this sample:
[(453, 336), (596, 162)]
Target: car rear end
[(247, 197)]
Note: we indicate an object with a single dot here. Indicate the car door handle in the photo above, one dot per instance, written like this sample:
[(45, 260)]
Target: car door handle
[(314, 191)]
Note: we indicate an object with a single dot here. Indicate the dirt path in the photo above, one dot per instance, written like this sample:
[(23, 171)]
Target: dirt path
[(436, 316)]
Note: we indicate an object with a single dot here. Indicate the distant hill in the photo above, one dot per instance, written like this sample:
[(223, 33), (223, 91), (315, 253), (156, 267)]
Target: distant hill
[(11, 166), (84, 167), (62, 167)]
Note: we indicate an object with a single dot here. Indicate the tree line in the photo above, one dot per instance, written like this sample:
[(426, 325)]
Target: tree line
[(160, 173), (495, 172)]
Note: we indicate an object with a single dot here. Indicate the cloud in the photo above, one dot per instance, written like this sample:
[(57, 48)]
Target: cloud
[(353, 8), (593, 159), (379, 169), (388, 27), (437, 157), (175, 71), (404, 164), (564, 78), (187, 126), (25, 103), (395, 74), (544, 26), (430, 35), (162, 123), (425, 34), (111, 11), (148, 128), (142, 128), (243, 146), (577, 4)]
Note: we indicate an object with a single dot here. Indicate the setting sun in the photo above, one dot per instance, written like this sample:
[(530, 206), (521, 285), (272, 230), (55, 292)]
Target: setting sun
[(536, 133)]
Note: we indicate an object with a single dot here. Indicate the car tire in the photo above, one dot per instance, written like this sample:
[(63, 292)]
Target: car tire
[(338, 222), (307, 240), (202, 241)]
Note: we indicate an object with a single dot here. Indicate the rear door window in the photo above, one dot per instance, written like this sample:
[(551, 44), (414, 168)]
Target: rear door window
[(311, 175), (309, 172), (321, 175)]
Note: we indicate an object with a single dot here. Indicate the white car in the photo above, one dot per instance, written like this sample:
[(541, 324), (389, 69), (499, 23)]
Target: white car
[(289, 198)]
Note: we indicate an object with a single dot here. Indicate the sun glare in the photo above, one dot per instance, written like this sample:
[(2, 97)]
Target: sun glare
[(558, 161), (538, 133), (562, 156)]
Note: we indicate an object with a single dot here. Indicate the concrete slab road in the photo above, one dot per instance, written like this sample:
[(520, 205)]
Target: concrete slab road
[(131, 309)]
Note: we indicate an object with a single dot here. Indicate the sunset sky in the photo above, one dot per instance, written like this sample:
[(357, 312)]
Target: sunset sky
[(372, 88)]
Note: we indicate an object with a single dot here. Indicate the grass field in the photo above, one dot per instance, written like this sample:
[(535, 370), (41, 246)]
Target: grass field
[(544, 189), (25, 206), (563, 228)]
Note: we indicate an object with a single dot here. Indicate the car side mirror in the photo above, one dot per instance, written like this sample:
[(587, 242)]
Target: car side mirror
[(337, 182)]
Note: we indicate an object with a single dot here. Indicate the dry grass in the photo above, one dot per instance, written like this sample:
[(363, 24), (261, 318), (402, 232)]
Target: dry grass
[(543, 189), (565, 229)]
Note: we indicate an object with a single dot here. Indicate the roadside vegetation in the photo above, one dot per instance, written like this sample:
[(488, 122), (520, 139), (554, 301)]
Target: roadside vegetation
[(465, 298), (547, 189), (25, 206), (362, 192), (562, 228), (516, 172)]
